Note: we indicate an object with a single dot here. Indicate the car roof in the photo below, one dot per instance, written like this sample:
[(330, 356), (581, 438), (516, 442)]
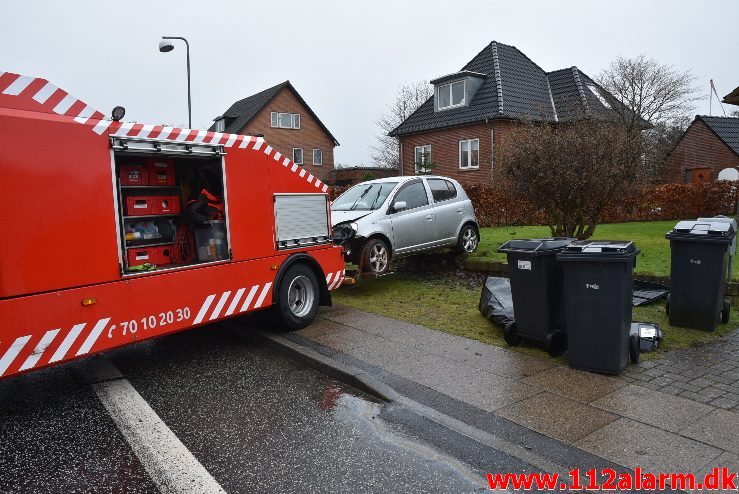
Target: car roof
[(402, 178)]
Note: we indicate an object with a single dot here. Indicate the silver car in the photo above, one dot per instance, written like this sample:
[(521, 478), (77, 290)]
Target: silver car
[(398, 216)]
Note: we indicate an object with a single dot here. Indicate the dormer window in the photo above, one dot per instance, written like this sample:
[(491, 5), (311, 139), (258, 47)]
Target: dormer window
[(450, 95)]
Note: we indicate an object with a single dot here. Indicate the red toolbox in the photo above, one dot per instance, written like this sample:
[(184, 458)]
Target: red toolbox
[(134, 175), (165, 205), (161, 171), (160, 255), (139, 205)]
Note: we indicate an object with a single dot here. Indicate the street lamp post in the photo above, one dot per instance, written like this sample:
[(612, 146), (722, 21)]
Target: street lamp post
[(166, 46)]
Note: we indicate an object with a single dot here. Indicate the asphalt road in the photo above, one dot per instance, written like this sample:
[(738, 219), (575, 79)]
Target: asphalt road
[(247, 419)]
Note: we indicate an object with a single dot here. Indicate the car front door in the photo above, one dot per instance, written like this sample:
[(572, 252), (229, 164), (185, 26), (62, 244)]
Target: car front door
[(414, 227)]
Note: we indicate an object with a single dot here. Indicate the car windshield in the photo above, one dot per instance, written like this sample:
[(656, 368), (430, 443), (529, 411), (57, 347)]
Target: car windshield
[(363, 197)]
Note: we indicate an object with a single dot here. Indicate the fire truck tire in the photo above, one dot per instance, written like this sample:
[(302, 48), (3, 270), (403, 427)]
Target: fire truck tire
[(297, 299)]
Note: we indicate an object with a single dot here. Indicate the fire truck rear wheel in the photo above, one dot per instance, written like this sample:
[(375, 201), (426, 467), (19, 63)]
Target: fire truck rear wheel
[(297, 299)]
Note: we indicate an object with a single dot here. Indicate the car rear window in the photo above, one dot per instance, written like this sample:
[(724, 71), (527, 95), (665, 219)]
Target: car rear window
[(442, 190)]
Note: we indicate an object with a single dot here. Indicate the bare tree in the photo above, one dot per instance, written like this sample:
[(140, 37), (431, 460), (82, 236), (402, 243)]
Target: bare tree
[(408, 97), (650, 92), (571, 172)]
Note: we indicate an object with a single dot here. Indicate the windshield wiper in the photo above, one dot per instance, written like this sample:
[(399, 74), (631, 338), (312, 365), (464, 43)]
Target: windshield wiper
[(372, 204), (359, 198)]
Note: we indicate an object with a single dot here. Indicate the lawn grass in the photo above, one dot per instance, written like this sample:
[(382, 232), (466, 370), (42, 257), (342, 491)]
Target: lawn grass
[(448, 302), (649, 238)]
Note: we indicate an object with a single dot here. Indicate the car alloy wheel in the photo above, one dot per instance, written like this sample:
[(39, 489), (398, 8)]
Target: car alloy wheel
[(378, 258), (469, 239)]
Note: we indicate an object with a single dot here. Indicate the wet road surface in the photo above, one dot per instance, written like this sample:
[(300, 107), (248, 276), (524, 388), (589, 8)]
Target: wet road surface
[(254, 420)]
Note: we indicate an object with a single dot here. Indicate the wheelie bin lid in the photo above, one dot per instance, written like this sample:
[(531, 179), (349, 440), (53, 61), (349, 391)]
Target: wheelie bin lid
[(703, 230), (599, 250), (536, 246)]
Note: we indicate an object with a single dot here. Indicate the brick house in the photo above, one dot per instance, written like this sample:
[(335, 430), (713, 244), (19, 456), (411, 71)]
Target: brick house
[(709, 145), (461, 128), (286, 121)]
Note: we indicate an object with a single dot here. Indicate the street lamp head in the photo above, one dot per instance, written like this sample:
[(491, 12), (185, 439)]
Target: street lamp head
[(165, 45)]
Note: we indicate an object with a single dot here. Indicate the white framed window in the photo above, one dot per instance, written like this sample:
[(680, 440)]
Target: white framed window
[(469, 154), (285, 120), (220, 125), (318, 156), (423, 158), (298, 156), (450, 95)]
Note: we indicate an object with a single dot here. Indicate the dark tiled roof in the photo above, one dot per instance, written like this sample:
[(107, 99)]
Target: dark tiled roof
[(514, 88), (240, 113), (726, 128)]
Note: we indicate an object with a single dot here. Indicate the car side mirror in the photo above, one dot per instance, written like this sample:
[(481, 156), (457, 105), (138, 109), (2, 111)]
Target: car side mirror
[(399, 206)]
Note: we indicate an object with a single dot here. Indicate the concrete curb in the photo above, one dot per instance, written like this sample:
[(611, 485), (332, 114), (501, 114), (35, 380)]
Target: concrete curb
[(347, 374)]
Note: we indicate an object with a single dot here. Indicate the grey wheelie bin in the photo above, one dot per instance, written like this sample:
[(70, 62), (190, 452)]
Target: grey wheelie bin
[(598, 296), (537, 284), (699, 264)]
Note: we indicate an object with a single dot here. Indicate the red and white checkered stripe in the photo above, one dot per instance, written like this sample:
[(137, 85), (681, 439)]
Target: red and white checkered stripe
[(10, 355), (48, 98), (256, 294), (334, 280)]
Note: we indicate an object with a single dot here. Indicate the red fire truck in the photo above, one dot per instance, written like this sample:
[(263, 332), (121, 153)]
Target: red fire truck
[(116, 232)]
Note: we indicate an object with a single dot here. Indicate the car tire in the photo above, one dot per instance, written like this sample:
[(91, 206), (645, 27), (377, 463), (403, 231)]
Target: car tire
[(555, 343), (726, 311), (509, 334), (468, 240), (297, 299), (375, 257)]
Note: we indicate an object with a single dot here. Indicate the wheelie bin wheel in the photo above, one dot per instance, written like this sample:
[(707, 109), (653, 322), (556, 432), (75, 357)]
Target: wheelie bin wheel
[(726, 311), (634, 348), (555, 343), (509, 334)]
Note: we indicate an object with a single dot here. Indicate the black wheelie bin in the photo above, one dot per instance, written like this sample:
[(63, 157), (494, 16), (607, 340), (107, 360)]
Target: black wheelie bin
[(699, 252), (598, 296), (537, 284)]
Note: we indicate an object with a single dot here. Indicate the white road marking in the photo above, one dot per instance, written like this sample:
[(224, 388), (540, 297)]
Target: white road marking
[(171, 466)]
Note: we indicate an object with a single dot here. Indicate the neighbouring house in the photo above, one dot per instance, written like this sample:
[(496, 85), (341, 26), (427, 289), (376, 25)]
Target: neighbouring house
[(708, 145), (351, 175), (459, 130), (733, 97), (286, 121)]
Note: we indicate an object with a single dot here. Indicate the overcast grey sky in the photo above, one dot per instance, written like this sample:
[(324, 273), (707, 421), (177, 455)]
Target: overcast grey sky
[(345, 58)]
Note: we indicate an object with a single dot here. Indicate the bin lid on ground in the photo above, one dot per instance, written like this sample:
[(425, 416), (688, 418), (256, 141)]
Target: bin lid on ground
[(536, 246), (703, 230), (599, 250)]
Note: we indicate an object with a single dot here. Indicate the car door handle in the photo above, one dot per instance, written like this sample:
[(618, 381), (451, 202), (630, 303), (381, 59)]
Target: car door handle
[(459, 210), (429, 217)]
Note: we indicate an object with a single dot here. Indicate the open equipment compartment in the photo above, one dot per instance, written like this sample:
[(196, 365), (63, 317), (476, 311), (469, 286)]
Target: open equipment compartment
[(171, 204)]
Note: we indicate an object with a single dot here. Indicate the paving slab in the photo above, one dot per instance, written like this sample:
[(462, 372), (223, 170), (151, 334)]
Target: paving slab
[(345, 339), (557, 417), (577, 385), (726, 460), (720, 428), (633, 444), (662, 410)]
